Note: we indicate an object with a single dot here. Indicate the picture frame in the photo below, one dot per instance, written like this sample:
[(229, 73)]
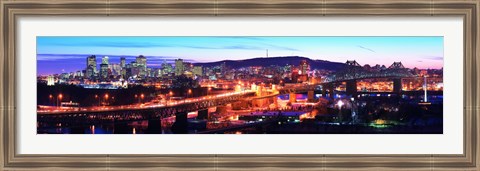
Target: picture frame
[(11, 10)]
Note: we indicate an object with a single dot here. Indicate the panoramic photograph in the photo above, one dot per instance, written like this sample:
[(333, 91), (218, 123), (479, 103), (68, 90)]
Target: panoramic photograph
[(239, 84)]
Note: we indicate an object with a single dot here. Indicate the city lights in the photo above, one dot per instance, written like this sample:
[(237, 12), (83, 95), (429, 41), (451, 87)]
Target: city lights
[(144, 94)]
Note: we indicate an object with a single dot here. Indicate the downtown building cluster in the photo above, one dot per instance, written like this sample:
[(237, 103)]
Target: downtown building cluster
[(105, 74)]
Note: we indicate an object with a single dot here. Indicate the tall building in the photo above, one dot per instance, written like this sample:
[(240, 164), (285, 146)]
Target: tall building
[(187, 66), (179, 68), (150, 73), (115, 68), (122, 62), (167, 69), (91, 66), (124, 73), (198, 70), (104, 70), (141, 61), (50, 80), (142, 65), (304, 67), (105, 60), (90, 72), (79, 74)]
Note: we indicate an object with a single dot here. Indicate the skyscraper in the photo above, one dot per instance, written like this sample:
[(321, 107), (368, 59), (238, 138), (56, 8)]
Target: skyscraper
[(115, 68), (104, 70), (304, 67), (122, 62), (91, 66), (179, 68), (50, 80), (198, 70), (105, 60), (142, 65)]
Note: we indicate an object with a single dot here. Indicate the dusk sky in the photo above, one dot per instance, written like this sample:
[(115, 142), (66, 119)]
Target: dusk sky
[(57, 54)]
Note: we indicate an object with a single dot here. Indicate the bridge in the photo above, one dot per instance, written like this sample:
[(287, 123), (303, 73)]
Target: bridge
[(354, 71), (350, 74), (153, 113)]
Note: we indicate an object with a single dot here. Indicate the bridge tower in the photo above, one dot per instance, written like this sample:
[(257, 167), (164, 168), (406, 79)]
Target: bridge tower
[(352, 63), (154, 126), (292, 97), (397, 85), (181, 123), (202, 114), (396, 65), (351, 87), (310, 96), (328, 87)]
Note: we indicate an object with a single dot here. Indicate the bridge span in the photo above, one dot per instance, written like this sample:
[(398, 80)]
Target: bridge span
[(152, 113)]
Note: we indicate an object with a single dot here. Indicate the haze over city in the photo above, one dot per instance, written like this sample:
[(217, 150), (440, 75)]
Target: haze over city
[(66, 54)]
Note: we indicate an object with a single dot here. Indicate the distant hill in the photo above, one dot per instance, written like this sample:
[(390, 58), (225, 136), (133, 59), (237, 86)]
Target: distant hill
[(280, 61)]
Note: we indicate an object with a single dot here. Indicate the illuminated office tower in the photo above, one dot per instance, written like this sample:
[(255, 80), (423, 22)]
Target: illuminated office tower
[(179, 68), (104, 70), (304, 67), (122, 62), (142, 65), (105, 60), (50, 80), (91, 66), (198, 70)]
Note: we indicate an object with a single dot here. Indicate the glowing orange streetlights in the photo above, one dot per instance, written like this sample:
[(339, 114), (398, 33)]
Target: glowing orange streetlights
[(59, 99), (50, 97), (106, 98), (96, 97)]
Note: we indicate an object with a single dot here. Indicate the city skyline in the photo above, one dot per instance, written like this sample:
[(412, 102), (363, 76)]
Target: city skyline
[(67, 54), (254, 94)]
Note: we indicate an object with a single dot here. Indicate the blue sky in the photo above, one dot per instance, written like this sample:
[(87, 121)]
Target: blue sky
[(421, 52)]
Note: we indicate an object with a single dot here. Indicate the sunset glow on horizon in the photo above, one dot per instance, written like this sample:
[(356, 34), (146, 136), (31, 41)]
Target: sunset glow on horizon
[(57, 54)]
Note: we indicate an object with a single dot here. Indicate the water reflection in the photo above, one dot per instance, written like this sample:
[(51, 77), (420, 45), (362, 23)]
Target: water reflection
[(368, 104)]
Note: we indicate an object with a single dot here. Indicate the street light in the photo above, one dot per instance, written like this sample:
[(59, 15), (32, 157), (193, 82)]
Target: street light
[(189, 92), (96, 97), (59, 99), (340, 104), (340, 117), (106, 98), (50, 97)]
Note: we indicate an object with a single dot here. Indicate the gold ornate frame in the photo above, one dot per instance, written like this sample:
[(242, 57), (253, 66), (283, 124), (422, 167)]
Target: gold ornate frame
[(10, 10)]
